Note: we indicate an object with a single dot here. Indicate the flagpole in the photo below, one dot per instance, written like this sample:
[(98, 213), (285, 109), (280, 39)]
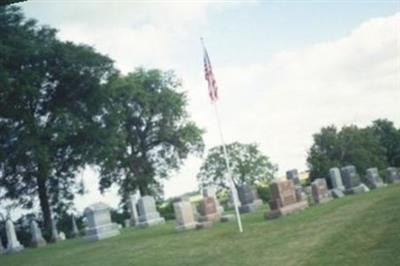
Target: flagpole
[(230, 181)]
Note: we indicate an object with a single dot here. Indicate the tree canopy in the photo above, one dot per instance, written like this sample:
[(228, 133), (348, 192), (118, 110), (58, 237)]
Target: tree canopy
[(374, 146), (148, 132), (50, 102), (248, 166)]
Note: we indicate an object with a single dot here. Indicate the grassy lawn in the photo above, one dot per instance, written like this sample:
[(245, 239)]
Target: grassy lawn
[(356, 230)]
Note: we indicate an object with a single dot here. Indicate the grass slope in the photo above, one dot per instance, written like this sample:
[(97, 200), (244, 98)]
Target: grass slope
[(356, 230)]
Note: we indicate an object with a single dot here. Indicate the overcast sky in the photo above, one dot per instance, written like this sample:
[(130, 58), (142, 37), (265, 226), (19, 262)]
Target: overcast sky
[(284, 69)]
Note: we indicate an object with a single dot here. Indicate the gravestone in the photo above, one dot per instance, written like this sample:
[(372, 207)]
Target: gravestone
[(55, 236), (336, 182), (75, 231), (13, 244), (62, 236), (352, 181), (294, 176), (148, 214), (98, 222), (336, 179), (248, 197), (208, 210), (211, 191), (283, 200), (184, 216), (37, 238), (372, 179), (132, 205), (392, 175), (320, 192)]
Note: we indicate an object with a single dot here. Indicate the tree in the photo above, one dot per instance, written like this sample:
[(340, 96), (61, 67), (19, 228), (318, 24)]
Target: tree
[(350, 145), (148, 133), (248, 165), (389, 138), (50, 103)]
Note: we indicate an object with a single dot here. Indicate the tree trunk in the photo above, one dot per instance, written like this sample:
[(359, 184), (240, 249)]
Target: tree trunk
[(44, 204)]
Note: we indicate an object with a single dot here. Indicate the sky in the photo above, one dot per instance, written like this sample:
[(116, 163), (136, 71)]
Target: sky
[(284, 68)]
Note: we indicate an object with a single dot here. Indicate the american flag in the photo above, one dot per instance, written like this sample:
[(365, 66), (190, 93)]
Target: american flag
[(209, 75)]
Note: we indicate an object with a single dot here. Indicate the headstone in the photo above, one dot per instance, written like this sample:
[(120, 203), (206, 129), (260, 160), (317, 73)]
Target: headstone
[(132, 205), (372, 179), (337, 193), (211, 191), (208, 209), (283, 199), (148, 214), (392, 175), (75, 231), (13, 244), (127, 223), (351, 180), (55, 236), (99, 225), (62, 236), (294, 176), (320, 192), (37, 238), (248, 197), (336, 179), (184, 216)]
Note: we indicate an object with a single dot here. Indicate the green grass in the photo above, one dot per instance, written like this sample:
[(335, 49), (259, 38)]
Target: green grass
[(356, 230)]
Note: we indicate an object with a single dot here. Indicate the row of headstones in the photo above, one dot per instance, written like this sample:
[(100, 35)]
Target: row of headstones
[(37, 240), (289, 196)]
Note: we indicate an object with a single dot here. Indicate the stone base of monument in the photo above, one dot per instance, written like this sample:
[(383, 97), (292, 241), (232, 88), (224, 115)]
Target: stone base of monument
[(14, 249), (184, 227), (101, 232), (203, 225), (357, 190), (209, 217), (227, 218), (323, 200), (296, 207), (246, 208), (337, 193), (39, 243), (375, 185), (143, 223)]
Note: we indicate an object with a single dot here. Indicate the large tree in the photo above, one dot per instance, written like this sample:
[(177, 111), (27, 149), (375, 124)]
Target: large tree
[(248, 164), (350, 145), (389, 138), (148, 132), (50, 107)]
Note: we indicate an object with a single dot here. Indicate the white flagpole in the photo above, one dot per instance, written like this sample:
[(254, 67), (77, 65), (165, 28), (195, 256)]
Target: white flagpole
[(230, 181)]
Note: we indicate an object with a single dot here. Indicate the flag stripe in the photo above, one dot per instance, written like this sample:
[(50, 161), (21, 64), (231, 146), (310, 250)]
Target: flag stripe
[(210, 78)]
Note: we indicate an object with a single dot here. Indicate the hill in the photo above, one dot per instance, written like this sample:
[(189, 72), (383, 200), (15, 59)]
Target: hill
[(356, 230)]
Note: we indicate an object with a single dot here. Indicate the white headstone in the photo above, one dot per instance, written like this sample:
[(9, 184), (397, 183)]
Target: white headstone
[(37, 238), (99, 225), (336, 178), (13, 243), (148, 214), (62, 236), (184, 216)]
